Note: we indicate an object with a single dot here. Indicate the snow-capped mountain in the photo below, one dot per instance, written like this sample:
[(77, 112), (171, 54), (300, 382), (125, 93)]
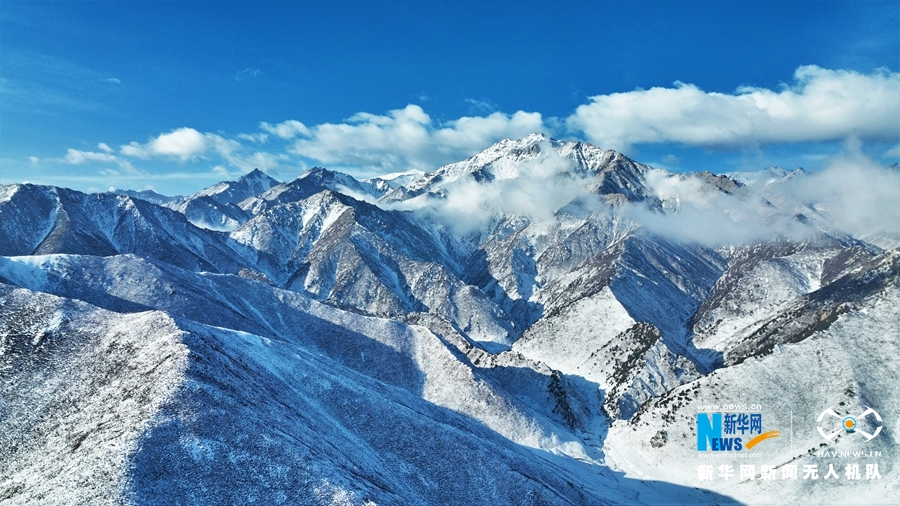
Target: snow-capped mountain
[(216, 207), (309, 183), (538, 324), (536, 154), (148, 195), (761, 178), (233, 192), (388, 182), (39, 220)]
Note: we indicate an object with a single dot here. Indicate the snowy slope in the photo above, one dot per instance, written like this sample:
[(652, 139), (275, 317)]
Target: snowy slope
[(79, 386), (603, 171), (847, 363), (235, 416), (404, 355), (355, 255), (148, 195), (44, 219)]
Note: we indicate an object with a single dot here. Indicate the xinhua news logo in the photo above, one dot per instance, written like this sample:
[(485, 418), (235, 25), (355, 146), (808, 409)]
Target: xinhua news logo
[(726, 432)]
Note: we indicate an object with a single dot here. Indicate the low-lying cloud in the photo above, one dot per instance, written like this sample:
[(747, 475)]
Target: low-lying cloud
[(543, 186), (695, 211), (853, 195), (857, 196)]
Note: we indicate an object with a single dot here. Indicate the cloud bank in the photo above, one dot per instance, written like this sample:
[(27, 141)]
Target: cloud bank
[(696, 212), (188, 144), (821, 105), (857, 196), (408, 139), (286, 129), (853, 195)]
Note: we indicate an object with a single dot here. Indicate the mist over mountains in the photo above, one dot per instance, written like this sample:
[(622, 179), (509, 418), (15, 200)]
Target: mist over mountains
[(536, 324)]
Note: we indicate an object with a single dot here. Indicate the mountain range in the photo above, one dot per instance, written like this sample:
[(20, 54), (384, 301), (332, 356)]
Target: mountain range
[(540, 323)]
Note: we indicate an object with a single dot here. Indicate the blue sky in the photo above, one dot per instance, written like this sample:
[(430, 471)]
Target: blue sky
[(175, 96)]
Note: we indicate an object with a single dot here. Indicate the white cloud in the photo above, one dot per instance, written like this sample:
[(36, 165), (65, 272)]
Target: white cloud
[(407, 138), (247, 73), (894, 152), (821, 105), (541, 187), (257, 138), (188, 144), (857, 195), (184, 143), (104, 147), (112, 80), (852, 195), (544, 185), (671, 159), (134, 149), (482, 106), (286, 129), (76, 157), (696, 212), (34, 160)]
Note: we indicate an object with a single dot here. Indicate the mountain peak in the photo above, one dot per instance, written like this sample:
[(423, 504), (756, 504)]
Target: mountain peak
[(307, 184), (318, 172), (149, 196), (536, 157), (256, 174), (765, 177), (529, 142), (533, 138), (232, 192)]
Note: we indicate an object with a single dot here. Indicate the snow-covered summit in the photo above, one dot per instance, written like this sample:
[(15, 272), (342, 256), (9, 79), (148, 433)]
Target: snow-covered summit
[(231, 192), (216, 208), (149, 196), (510, 158), (387, 182), (761, 178), (309, 183), (535, 156)]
